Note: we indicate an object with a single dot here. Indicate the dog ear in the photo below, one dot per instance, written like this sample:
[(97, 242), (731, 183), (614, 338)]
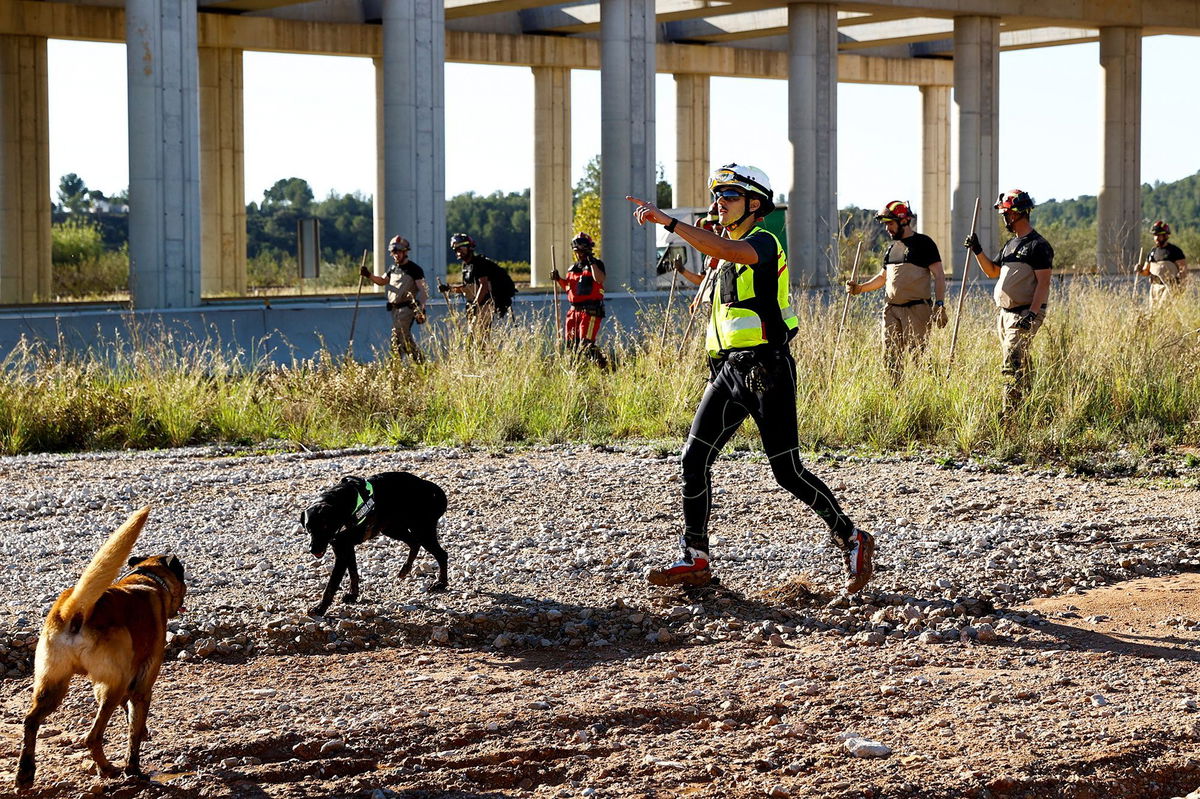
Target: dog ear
[(135, 560), (304, 522), (175, 565)]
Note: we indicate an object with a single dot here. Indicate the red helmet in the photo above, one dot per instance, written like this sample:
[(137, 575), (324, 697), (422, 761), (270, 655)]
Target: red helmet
[(582, 241), (1014, 200), (1160, 227), (897, 212), (461, 240)]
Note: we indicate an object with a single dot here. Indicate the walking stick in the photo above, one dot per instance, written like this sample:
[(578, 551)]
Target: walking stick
[(1137, 271), (662, 339), (962, 292), (558, 331), (837, 342), (354, 319)]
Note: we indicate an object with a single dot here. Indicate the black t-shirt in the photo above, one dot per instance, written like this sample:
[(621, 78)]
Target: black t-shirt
[(1168, 253), (498, 279), (1031, 249), (918, 249), (409, 268)]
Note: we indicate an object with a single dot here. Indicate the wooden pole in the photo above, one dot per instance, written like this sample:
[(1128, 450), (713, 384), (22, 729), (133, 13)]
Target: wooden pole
[(837, 342), (662, 338), (1137, 271), (962, 291), (558, 331), (354, 319)]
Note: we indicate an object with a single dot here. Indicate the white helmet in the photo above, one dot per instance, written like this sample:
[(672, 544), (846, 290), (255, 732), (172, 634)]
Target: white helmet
[(750, 179)]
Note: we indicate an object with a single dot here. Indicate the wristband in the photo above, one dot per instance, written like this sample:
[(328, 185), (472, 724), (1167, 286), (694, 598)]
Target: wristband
[(670, 226)]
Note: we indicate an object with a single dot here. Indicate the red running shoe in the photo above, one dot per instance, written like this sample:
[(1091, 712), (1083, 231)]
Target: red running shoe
[(691, 569), (860, 560)]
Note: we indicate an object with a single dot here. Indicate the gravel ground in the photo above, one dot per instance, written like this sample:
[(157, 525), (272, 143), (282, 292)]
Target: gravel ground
[(1028, 633)]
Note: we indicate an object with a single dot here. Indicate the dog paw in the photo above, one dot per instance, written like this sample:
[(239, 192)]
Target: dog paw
[(319, 610), (134, 773), (349, 599), (437, 587)]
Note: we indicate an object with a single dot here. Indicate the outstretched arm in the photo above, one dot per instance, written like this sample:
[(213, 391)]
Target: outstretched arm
[(707, 242)]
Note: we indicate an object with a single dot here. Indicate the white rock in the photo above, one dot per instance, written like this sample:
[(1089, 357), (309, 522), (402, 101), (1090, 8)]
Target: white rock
[(861, 747)]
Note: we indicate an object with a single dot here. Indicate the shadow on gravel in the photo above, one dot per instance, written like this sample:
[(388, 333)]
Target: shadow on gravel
[(1102, 642)]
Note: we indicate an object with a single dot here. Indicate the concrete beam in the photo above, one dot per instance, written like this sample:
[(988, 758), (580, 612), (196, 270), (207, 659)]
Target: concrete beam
[(812, 131), (222, 173), (550, 199), (977, 107), (934, 213), (1119, 206), (164, 153), (692, 160), (627, 140), (25, 273), (461, 9), (290, 36)]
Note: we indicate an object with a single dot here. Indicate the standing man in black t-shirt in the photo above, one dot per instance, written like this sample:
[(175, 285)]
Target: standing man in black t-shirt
[(406, 292), (1166, 266), (1023, 268), (485, 283), (909, 262)]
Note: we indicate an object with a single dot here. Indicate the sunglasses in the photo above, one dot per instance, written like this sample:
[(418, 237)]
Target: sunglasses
[(727, 194), (399, 249)]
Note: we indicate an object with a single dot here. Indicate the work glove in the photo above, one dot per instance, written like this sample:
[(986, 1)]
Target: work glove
[(554, 275), (443, 287), (362, 270), (1025, 322), (971, 242), (939, 315), (853, 288)]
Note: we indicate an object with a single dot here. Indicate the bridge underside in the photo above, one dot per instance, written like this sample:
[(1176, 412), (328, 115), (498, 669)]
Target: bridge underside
[(187, 225)]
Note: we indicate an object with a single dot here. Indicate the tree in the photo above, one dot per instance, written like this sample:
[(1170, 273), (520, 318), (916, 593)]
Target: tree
[(589, 183), (289, 193), (663, 196), (73, 193)]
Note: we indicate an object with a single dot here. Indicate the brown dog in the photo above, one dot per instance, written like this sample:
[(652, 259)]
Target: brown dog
[(112, 634)]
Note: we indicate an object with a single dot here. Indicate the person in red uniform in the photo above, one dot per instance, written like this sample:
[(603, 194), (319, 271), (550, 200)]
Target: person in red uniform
[(584, 285)]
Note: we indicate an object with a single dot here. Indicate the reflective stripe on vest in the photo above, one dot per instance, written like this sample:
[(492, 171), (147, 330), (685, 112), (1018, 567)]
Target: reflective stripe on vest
[(732, 327)]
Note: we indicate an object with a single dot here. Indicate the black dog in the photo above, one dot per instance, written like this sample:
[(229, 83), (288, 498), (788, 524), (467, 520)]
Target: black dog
[(397, 504)]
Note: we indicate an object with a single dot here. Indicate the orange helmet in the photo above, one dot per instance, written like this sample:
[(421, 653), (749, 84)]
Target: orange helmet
[(897, 212), (1160, 227), (1014, 200)]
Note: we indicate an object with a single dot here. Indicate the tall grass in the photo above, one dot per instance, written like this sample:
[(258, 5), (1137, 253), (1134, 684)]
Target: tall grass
[(1107, 376)]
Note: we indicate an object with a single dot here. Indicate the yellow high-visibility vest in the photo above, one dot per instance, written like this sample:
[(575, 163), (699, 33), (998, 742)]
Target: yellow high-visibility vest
[(733, 325)]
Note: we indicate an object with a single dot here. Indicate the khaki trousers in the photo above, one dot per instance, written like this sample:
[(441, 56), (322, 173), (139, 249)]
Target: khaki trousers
[(905, 330), (402, 336), (1016, 363)]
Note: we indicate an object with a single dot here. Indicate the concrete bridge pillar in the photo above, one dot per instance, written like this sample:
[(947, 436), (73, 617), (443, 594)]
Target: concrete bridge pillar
[(977, 108), (551, 203), (692, 166), (222, 173), (1120, 202), (812, 130), (24, 170), (411, 196), (627, 60), (934, 213), (164, 153)]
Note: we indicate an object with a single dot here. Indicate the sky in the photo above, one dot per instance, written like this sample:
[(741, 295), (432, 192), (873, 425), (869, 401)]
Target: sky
[(313, 117)]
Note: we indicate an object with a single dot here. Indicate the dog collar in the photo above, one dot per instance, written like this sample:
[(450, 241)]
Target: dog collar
[(155, 577)]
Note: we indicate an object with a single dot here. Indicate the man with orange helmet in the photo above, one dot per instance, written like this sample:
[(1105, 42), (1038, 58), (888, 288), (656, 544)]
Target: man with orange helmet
[(487, 285), (1165, 265), (406, 292), (753, 374), (584, 285), (1023, 267), (909, 262)]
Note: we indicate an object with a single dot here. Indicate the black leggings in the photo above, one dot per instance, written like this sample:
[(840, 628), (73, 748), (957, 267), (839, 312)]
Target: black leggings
[(727, 402)]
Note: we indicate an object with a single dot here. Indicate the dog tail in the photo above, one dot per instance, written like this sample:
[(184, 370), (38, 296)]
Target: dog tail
[(104, 568)]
